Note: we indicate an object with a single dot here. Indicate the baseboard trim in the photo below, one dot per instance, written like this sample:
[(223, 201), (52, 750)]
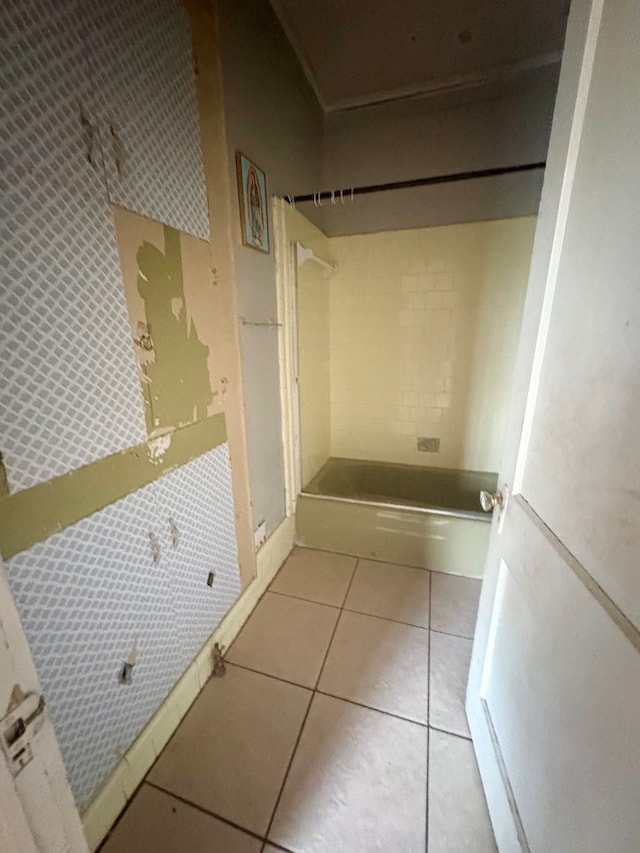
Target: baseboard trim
[(103, 811)]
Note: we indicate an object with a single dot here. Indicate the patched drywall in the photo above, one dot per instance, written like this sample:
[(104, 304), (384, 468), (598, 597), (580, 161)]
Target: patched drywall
[(169, 289)]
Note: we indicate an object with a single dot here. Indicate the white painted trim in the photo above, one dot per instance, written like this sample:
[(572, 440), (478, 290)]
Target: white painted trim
[(103, 811), (286, 277)]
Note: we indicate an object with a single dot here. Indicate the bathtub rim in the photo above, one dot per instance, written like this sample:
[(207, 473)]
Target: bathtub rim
[(423, 510)]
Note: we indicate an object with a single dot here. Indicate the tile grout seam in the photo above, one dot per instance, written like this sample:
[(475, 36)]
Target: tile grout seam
[(367, 613), (306, 716), (322, 692), (204, 810)]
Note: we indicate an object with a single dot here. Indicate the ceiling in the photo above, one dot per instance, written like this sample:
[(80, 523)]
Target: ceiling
[(358, 52)]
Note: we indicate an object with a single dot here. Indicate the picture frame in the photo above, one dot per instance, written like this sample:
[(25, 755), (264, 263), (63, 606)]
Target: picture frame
[(254, 209)]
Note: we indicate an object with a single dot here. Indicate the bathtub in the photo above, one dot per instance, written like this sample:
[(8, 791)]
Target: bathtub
[(417, 516)]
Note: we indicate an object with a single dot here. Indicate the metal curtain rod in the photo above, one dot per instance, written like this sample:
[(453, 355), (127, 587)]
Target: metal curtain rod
[(344, 194)]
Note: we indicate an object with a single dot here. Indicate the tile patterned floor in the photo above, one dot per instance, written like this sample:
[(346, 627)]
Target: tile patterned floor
[(339, 726)]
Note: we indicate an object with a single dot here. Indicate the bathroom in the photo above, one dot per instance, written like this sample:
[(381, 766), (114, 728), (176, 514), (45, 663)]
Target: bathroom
[(247, 599)]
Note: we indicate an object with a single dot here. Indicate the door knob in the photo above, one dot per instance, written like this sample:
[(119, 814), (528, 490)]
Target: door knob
[(488, 501)]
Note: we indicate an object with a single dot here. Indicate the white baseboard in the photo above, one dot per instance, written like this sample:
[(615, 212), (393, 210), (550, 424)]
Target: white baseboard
[(103, 811)]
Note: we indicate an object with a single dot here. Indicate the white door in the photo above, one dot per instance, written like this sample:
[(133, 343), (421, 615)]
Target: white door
[(554, 690), (37, 812)]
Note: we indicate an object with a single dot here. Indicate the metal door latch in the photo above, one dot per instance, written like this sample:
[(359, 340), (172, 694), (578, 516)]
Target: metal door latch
[(18, 729)]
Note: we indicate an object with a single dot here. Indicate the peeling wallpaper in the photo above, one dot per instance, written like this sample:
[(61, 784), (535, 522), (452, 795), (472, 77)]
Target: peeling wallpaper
[(118, 501)]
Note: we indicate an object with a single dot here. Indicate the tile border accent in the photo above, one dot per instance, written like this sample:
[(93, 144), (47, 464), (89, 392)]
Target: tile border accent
[(34, 514), (129, 773)]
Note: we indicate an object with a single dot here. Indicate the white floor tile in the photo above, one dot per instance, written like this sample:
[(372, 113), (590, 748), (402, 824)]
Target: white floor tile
[(450, 659), (454, 604), (231, 751), (379, 663), (158, 823), (316, 576), (286, 637), (458, 816), (390, 591), (357, 783)]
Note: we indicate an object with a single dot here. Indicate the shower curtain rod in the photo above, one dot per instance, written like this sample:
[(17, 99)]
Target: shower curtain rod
[(341, 195)]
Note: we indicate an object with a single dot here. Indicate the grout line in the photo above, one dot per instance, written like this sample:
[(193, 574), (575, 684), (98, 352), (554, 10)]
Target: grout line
[(359, 557), (286, 774), (372, 708), (315, 690), (304, 722), (348, 590), (450, 634), (302, 598), (335, 627), (269, 675), (426, 817), (400, 565), (275, 845), (386, 619), (452, 734), (204, 810)]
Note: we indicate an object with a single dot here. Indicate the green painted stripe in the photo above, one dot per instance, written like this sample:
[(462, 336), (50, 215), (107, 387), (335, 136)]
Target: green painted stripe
[(34, 514)]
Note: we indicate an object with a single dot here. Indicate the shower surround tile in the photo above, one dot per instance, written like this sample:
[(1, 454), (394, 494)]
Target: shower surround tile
[(409, 310)]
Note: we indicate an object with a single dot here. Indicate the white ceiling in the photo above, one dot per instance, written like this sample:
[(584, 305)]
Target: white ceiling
[(356, 52)]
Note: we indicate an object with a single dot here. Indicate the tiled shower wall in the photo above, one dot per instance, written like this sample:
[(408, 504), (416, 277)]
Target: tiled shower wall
[(424, 328)]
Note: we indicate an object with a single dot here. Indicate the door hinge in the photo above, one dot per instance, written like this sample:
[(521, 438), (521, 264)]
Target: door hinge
[(18, 729)]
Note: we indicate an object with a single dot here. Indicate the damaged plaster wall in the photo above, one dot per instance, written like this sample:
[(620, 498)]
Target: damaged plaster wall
[(113, 518)]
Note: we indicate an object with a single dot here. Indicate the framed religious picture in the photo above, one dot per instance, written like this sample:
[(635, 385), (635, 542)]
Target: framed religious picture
[(252, 189)]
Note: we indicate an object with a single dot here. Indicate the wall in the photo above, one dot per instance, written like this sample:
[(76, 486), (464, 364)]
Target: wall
[(424, 326), (415, 138), (108, 548), (272, 116)]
